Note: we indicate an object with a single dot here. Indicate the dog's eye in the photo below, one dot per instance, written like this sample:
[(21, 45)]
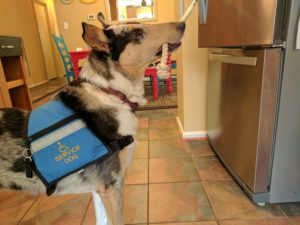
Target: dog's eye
[(137, 33), (109, 33)]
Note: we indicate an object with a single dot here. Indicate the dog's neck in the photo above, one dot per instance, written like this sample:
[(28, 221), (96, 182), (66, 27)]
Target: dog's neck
[(105, 73)]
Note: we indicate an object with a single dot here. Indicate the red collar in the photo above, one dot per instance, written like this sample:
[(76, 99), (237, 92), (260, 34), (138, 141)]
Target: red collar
[(121, 96)]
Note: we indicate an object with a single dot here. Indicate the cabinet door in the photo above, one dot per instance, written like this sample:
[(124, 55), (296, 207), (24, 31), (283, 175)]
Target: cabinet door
[(221, 25), (242, 91), (257, 21), (226, 22), (207, 29), (232, 23)]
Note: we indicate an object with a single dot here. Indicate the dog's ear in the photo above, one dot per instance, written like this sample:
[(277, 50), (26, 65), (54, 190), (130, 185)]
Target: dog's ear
[(101, 19), (95, 37)]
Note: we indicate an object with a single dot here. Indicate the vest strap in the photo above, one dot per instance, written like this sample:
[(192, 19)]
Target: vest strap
[(121, 143)]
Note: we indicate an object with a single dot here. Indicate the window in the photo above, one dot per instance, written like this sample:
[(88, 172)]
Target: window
[(131, 10)]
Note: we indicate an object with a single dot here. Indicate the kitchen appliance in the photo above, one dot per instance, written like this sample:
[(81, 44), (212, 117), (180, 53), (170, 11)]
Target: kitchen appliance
[(253, 110)]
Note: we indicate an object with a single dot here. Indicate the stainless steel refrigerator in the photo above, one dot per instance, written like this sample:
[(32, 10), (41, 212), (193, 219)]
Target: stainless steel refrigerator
[(253, 111)]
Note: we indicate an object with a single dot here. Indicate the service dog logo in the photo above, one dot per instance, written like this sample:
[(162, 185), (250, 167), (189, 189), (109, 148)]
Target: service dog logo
[(67, 153)]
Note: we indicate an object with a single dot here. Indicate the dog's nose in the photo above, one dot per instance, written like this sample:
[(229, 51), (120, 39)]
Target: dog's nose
[(181, 26)]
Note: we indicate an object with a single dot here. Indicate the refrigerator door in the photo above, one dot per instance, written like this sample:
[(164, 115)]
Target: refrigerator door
[(285, 185), (232, 23), (242, 86)]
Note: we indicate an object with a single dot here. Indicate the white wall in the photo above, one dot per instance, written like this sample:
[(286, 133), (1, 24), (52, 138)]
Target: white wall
[(192, 79)]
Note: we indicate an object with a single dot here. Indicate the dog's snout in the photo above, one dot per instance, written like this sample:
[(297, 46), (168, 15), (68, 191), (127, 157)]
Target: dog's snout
[(181, 26)]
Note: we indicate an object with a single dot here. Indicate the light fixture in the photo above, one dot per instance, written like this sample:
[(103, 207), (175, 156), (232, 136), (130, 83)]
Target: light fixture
[(144, 3)]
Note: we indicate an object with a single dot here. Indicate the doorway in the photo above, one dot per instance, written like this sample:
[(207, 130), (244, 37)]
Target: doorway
[(43, 22)]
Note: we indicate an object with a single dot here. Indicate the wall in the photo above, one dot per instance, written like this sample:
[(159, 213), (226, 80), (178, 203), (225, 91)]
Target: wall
[(54, 30), (180, 93), (165, 14), (192, 79), (165, 11), (20, 21), (76, 12)]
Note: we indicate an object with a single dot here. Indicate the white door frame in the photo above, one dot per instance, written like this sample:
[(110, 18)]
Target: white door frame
[(50, 31)]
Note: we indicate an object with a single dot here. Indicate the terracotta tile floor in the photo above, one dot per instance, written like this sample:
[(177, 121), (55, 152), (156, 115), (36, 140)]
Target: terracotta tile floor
[(170, 181)]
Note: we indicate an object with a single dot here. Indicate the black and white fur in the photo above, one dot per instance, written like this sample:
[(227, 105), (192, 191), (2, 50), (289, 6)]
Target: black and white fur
[(119, 56)]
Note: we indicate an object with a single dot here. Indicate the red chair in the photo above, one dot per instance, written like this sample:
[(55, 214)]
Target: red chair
[(151, 72)]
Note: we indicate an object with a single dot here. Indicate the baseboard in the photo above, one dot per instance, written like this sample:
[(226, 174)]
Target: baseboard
[(190, 135), (38, 84)]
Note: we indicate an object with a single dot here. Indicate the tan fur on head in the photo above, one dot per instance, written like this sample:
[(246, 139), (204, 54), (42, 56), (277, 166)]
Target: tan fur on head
[(136, 57), (132, 46)]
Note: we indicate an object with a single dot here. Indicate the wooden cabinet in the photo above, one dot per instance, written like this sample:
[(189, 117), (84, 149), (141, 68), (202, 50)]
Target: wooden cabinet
[(235, 23), (2, 103), (13, 74)]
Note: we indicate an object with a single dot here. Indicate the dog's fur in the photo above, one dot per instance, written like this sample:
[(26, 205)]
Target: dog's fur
[(119, 56)]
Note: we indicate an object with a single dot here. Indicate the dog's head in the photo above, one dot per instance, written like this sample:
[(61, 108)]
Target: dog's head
[(133, 45)]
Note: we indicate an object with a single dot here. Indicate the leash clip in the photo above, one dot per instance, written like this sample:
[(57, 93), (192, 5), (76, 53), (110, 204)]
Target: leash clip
[(27, 154)]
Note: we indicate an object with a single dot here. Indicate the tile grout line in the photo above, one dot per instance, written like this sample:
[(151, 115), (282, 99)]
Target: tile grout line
[(181, 222), (283, 212), (257, 219), (210, 203), (197, 168), (190, 156), (35, 200), (177, 182), (192, 181), (174, 182), (86, 210)]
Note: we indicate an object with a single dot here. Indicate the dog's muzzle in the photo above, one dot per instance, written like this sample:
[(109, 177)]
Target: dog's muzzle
[(171, 48)]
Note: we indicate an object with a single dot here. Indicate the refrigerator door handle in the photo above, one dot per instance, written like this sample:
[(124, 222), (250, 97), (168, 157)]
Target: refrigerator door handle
[(203, 7), (240, 60)]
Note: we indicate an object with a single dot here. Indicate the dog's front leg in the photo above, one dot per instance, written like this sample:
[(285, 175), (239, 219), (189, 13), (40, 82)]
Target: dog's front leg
[(115, 198), (101, 211)]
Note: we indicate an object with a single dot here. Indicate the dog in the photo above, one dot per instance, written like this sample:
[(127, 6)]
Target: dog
[(119, 56)]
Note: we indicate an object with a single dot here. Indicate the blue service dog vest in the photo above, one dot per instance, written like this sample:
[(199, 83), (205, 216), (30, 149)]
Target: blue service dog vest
[(61, 143)]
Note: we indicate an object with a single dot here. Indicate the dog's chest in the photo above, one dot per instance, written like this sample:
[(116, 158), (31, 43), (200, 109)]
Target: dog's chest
[(128, 122), (128, 125)]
